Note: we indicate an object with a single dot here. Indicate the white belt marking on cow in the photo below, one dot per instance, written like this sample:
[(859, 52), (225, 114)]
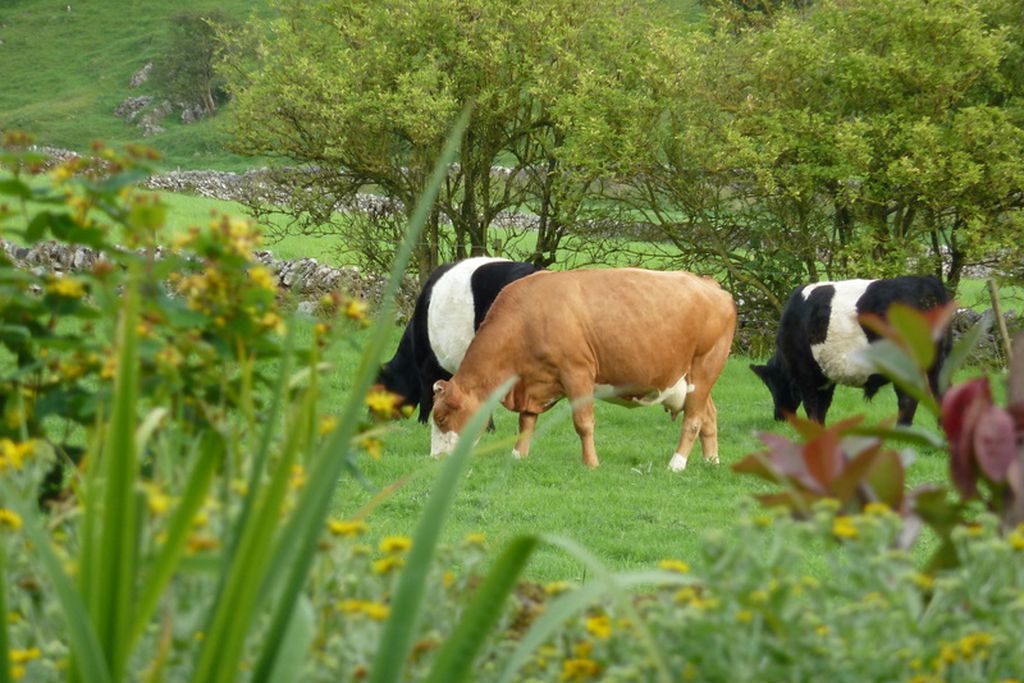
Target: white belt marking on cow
[(672, 398), (837, 355), (451, 312)]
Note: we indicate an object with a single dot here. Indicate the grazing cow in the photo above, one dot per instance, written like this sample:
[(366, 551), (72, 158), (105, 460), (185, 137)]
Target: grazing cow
[(650, 337), (451, 306), (819, 337)]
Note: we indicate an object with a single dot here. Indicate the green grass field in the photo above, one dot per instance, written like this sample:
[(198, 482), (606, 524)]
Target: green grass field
[(631, 511)]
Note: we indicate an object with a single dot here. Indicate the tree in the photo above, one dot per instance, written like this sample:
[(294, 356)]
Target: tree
[(860, 138), (357, 95), (185, 69)]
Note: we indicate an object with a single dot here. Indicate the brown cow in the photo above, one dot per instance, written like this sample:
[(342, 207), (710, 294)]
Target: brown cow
[(651, 337)]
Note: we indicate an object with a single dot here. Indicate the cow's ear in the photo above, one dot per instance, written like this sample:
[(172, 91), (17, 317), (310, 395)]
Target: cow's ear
[(440, 386)]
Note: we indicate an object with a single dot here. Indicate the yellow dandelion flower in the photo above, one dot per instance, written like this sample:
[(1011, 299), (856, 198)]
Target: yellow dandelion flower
[(677, 566), (579, 669), (157, 501), (877, 509), (356, 310), (14, 454), (600, 627), (843, 526), (298, 479), (198, 543), (345, 528), (69, 287), (1016, 538), (327, 424), (557, 587), (376, 611), (395, 544), (23, 656), (9, 519), (382, 403), (350, 606), (476, 539), (372, 446), (387, 564)]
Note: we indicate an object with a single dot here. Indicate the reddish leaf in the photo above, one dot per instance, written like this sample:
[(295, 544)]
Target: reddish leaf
[(961, 407), (995, 444), (878, 325), (939, 318), (808, 429), (845, 485), (823, 458)]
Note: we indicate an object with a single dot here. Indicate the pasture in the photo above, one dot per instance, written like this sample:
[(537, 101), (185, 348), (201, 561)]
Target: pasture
[(631, 511)]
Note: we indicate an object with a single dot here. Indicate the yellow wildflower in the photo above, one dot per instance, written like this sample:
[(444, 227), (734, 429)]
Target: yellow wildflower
[(583, 648), (14, 454), (327, 424), (376, 611), (557, 587), (579, 669), (744, 616), (674, 566), (9, 519), (395, 544), (356, 310), (382, 403), (23, 656), (156, 500), (477, 539), (600, 627), (387, 564), (271, 320), (843, 526), (298, 479), (346, 529), (198, 543), (974, 645), (877, 509), (263, 278), (1016, 538), (350, 606), (69, 287), (372, 446)]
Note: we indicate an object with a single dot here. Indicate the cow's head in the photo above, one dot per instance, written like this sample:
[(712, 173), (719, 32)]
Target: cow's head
[(779, 381), (452, 410)]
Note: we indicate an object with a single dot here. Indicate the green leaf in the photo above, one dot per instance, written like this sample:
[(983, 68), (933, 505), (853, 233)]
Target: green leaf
[(913, 327), (297, 639), (116, 559), (455, 660), (13, 187)]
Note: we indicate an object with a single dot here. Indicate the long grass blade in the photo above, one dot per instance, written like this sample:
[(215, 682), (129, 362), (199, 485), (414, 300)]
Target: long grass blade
[(164, 566), (82, 639), (295, 646), (236, 605), (397, 637), (5, 661), (303, 530), (455, 660), (118, 535)]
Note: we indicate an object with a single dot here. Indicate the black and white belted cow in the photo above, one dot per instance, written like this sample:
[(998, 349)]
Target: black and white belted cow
[(449, 309), (819, 337)]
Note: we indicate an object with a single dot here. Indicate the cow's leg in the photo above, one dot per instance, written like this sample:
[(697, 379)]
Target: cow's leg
[(527, 421), (583, 420), (709, 433), (907, 407), (817, 403)]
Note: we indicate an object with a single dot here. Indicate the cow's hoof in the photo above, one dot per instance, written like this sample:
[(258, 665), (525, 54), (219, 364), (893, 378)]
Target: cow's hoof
[(677, 463), (516, 455)]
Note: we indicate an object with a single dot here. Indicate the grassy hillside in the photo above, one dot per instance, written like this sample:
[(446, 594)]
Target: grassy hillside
[(66, 66)]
